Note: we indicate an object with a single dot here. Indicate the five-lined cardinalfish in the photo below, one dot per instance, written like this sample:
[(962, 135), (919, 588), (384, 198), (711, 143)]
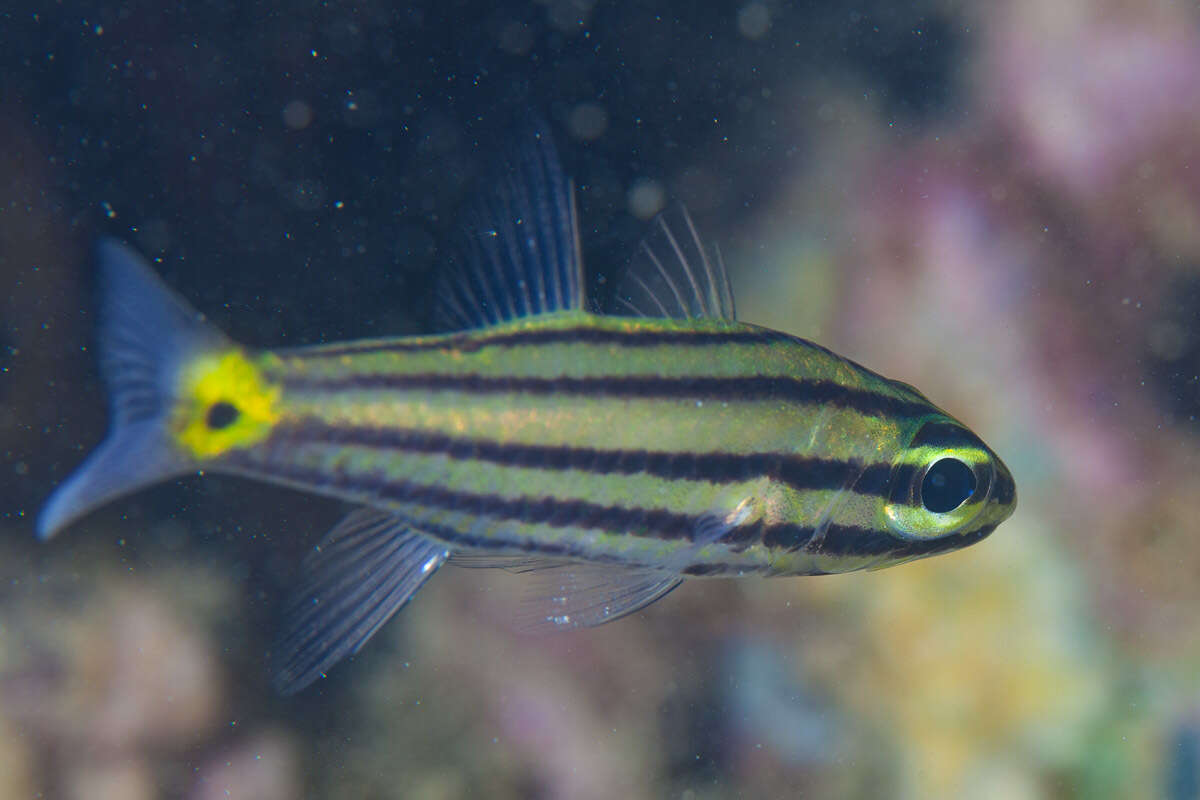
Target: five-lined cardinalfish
[(617, 455)]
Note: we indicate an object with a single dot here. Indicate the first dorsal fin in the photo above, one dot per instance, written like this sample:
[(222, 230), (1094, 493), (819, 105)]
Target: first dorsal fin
[(517, 252), (672, 274)]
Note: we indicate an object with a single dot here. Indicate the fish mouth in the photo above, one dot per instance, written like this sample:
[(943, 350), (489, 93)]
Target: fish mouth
[(1003, 495)]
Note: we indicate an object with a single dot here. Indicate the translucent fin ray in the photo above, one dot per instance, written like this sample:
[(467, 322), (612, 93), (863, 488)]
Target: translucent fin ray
[(672, 274), (361, 573), (510, 563), (582, 595), (517, 252), (146, 331)]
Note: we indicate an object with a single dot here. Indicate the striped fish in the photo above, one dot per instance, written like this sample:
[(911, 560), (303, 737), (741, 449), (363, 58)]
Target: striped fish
[(614, 455)]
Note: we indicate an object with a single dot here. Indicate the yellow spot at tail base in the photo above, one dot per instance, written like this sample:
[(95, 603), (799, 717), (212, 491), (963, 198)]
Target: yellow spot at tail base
[(228, 378)]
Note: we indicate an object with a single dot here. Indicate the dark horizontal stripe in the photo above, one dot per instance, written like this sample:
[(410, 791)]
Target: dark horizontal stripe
[(851, 541), (876, 480), (584, 334), (747, 388), (946, 434), (901, 486), (799, 472), (837, 540), (528, 510), (548, 511)]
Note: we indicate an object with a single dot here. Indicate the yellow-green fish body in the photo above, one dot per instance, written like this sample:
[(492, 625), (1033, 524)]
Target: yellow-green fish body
[(624, 453)]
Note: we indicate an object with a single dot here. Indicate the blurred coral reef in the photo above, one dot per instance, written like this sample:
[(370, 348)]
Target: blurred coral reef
[(1030, 261), (111, 684)]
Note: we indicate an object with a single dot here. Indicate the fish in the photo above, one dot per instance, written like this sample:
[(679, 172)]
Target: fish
[(612, 451)]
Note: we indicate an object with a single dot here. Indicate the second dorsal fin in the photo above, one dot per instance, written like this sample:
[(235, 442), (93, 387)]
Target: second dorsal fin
[(672, 274), (517, 250)]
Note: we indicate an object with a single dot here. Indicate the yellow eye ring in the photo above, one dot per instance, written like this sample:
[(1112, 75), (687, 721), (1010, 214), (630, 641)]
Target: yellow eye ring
[(937, 491)]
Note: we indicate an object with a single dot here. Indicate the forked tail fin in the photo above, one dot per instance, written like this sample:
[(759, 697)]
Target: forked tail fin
[(146, 332)]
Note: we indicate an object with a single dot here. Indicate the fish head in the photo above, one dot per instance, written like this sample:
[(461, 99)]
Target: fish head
[(947, 490)]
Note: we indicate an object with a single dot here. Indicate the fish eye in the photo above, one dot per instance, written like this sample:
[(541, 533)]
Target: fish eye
[(940, 483), (221, 414), (948, 483)]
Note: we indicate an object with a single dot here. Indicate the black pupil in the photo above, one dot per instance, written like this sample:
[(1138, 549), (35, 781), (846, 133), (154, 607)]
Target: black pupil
[(947, 484), (221, 415)]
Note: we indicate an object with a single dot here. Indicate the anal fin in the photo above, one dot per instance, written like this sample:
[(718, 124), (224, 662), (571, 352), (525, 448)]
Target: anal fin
[(581, 595), (361, 573), (472, 559)]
